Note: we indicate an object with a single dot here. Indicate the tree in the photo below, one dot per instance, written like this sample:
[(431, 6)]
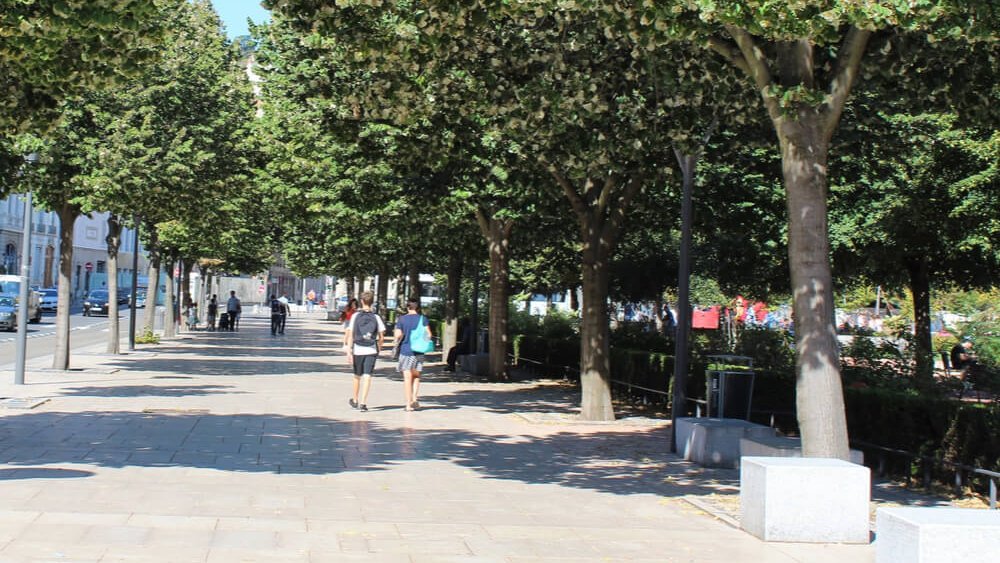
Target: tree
[(171, 150), (51, 51), (915, 202), (804, 59)]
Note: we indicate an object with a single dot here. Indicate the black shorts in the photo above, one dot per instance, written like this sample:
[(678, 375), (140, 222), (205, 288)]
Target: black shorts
[(364, 365)]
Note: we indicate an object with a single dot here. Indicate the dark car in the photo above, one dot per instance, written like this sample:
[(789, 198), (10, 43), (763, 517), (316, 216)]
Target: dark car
[(96, 303)]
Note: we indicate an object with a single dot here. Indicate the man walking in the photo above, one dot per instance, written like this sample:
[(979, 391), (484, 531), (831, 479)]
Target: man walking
[(286, 311), (233, 308), (363, 339), (275, 315)]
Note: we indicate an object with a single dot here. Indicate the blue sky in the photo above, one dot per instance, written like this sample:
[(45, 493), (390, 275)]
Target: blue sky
[(234, 14)]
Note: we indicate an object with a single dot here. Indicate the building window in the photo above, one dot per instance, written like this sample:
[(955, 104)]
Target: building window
[(101, 267), (10, 259)]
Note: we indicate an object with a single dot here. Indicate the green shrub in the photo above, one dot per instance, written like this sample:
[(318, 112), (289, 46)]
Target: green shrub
[(147, 337), (941, 428)]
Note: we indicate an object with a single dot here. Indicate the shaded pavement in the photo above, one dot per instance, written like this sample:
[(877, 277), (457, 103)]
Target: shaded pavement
[(242, 447)]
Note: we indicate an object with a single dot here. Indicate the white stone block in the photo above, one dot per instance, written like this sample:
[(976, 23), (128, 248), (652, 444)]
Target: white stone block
[(805, 499), (936, 535), (783, 446), (715, 442)]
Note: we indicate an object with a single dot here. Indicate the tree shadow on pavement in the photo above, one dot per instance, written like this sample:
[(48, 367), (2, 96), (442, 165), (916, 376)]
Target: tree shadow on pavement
[(618, 462), (148, 391), (220, 366)]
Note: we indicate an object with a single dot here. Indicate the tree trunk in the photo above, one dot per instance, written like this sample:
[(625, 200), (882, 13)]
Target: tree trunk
[(451, 303), (804, 137), (188, 299), (497, 234), (152, 291), (114, 240), (67, 218), (920, 286), (574, 300), (401, 293), (416, 288), (600, 206), (383, 292), (169, 329), (350, 289), (361, 286), (819, 393), (595, 366)]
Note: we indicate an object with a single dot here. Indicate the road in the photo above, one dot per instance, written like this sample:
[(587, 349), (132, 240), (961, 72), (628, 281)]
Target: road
[(84, 332)]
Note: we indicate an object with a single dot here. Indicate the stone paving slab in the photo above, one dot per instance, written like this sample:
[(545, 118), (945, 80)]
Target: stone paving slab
[(242, 447)]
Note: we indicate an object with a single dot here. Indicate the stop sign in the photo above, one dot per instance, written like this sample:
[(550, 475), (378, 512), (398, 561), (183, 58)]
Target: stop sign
[(89, 266)]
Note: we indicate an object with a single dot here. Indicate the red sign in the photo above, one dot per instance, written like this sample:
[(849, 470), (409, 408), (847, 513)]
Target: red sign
[(89, 266)]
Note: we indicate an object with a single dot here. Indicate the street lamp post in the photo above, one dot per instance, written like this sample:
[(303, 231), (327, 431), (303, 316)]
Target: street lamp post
[(22, 311)]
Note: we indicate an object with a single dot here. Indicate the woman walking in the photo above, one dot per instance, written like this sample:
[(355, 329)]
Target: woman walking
[(412, 330)]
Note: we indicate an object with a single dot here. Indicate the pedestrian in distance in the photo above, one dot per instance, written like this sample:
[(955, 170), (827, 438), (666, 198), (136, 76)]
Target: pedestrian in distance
[(212, 312), (363, 339), (275, 314), (413, 334), (233, 308), (286, 311)]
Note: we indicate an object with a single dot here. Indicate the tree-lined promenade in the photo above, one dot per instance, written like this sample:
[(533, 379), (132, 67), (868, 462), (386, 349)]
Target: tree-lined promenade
[(552, 140)]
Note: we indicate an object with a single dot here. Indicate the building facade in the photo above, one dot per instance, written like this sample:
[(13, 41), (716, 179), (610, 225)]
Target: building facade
[(90, 252)]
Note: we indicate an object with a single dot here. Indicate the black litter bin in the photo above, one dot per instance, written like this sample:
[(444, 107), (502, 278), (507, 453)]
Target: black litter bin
[(729, 394), (730, 386)]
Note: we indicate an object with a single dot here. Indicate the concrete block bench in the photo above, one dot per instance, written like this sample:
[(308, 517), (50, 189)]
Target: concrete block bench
[(782, 446), (936, 535), (805, 499), (715, 442)]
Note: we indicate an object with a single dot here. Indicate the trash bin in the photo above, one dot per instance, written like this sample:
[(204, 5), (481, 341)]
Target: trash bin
[(730, 382)]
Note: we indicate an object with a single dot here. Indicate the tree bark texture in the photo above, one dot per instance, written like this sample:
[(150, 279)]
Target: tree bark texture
[(416, 288), (451, 303), (169, 329), (114, 240), (920, 286), (595, 365), (600, 206), (804, 131), (67, 218), (383, 292), (152, 292), (819, 393), (497, 234)]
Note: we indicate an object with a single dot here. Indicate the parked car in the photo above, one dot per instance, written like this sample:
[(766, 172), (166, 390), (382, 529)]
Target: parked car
[(96, 303), (8, 312), (124, 296), (140, 298), (50, 298), (11, 285)]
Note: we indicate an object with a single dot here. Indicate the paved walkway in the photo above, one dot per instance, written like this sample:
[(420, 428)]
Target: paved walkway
[(242, 447)]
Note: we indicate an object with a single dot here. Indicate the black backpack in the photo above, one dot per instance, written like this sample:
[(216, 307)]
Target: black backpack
[(365, 329), (275, 307)]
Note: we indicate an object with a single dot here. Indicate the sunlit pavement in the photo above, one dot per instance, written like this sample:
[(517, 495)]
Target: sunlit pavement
[(219, 446)]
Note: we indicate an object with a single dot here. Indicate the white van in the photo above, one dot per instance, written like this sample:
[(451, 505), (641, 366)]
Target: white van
[(11, 285)]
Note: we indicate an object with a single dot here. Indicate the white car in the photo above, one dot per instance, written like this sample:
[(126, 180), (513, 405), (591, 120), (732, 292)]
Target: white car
[(50, 299)]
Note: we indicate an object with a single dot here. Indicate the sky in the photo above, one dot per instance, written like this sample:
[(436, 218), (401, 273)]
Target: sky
[(234, 14)]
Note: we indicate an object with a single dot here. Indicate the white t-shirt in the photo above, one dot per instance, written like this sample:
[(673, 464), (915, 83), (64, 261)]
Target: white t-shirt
[(364, 350)]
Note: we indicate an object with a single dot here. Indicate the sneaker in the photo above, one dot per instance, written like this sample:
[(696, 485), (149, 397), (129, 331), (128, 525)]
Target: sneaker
[(414, 405), (364, 408), (353, 403)]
